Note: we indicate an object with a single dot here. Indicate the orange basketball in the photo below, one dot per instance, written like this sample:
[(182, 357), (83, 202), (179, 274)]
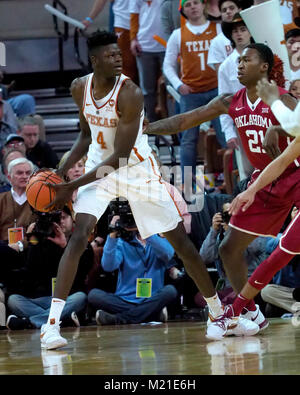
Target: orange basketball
[(38, 193)]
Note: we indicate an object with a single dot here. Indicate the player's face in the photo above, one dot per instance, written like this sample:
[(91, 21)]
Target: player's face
[(108, 60), (228, 10), (250, 67)]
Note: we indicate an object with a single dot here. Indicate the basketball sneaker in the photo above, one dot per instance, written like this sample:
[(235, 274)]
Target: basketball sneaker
[(228, 324), (51, 338), (256, 316)]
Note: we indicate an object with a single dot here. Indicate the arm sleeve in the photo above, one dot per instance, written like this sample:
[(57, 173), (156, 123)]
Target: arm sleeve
[(161, 247), (289, 120), (170, 65), (112, 255)]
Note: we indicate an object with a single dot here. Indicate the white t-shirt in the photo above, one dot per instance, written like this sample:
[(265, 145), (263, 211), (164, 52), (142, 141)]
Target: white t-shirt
[(229, 83), (121, 14), (170, 65), (149, 24), (219, 49)]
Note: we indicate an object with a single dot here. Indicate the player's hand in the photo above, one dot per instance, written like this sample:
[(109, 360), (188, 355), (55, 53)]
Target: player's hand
[(242, 201), (270, 143), (63, 195), (267, 91)]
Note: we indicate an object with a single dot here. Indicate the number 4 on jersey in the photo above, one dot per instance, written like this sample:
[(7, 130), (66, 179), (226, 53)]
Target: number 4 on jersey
[(100, 140)]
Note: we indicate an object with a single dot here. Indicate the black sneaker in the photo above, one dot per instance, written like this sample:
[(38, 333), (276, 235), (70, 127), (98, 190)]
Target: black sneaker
[(104, 318), (15, 323)]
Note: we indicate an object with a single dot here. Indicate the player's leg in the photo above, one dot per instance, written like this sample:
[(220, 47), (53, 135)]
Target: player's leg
[(232, 250)]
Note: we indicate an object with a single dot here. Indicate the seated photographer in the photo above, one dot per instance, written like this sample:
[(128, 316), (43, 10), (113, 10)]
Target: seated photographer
[(15, 216), (47, 239), (255, 254), (140, 295)]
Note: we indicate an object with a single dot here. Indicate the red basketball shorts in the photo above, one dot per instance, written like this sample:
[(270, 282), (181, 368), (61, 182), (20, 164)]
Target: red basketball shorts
[(270, 209)]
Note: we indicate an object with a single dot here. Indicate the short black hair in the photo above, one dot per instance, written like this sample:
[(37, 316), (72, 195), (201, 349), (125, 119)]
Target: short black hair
[(265, 54), (292, 33), (236, 2), (100, 38)]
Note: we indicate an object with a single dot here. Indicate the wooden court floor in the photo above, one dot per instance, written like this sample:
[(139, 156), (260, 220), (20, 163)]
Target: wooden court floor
[(175, 348)]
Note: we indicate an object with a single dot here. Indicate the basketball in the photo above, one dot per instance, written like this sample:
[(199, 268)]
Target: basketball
[(38, 193)]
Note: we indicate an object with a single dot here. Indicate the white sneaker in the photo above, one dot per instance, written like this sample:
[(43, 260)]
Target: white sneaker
[(228, 324), (50, 337), (256, 316)]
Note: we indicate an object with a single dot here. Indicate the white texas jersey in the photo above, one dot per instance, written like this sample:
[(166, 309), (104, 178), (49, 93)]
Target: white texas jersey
[(102, 117)]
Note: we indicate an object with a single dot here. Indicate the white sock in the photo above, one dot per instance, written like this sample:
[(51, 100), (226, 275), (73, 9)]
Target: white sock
[(214, 305), (56, 309)]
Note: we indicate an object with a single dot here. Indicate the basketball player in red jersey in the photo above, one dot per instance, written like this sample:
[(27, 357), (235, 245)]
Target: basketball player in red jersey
[(266, 215)]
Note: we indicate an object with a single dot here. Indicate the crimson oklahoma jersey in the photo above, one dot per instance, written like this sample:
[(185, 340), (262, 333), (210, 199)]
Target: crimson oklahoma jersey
[(252, 122)]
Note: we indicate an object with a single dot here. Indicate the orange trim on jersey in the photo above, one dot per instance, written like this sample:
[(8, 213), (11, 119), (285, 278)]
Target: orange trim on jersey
[(137, 154), (179, 212), (116, 103), (153, 168), (85, 91), (91, 93)]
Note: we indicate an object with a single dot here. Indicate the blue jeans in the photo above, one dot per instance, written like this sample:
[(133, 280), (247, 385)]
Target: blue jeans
[(37, 310), (23, 105), (189, 138), (149, 65), (133, 313)]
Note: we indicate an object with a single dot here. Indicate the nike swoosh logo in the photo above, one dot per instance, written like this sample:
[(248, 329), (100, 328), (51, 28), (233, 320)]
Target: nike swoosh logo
[(238, 108), (253, 319), (258, 283), (88, 104)]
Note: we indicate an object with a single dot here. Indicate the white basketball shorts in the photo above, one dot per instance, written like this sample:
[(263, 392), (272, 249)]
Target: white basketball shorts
[(153, 208)]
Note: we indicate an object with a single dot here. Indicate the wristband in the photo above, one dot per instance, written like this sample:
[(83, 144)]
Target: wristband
[(89, 19)]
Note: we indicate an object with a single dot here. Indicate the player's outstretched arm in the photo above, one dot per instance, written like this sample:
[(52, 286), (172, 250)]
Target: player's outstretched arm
[(81, 145), (269, 174), (285, 108), (219, 105)]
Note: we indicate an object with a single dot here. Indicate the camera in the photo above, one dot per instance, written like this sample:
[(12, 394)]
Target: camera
[(226, 217), (44, 226), (126, 220)]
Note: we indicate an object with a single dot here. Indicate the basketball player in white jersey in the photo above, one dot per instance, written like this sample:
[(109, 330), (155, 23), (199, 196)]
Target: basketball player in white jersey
[(119, 164)]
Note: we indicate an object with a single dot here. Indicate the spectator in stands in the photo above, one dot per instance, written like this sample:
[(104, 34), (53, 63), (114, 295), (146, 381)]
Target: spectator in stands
[(280, 295), (31, 309), (15, 214), (292, 39), (8, 122), (122, 29), (295, 88), (145, 22), (38, 151), (198, 82), (75, 171), (254, 255), (213, 10), (170, 17), (8, 157), (14, 141), (220, 46), (140, 295), (238, 34), (23, 104)]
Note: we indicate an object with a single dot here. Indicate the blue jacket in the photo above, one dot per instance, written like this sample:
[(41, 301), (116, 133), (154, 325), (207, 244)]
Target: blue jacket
[(136, 261)]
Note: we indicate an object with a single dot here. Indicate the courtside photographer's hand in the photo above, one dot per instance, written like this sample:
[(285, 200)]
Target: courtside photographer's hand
[(59, 238)]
